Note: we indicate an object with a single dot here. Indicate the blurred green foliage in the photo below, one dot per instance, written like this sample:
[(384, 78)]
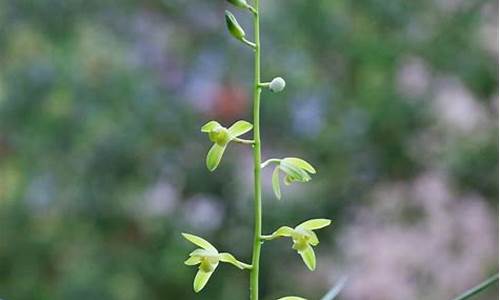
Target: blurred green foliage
[(101, 104)]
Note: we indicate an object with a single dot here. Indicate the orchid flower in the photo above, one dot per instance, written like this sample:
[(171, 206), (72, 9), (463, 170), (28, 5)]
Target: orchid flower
[(304, 238), (208, 258), (295, 170), (221, 136)]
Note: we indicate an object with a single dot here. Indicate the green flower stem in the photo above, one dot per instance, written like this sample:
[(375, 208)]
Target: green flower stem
[(243, 141), (252, 45), (254, 273), (264, 84), (267, 162), (478, 288), (266, 237)]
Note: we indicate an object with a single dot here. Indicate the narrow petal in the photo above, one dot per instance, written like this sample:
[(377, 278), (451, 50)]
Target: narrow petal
[(210, 126), (198, 241), (283, 231), (301, 164), (214, 156), (201, 252), (309, 257), (239, 128), (200, 280), (276, 182), (315, 224), (192, 260), (292, 298)]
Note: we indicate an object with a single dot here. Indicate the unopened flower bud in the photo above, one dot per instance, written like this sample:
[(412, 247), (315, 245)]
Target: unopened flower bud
[(239, 3), (233, 26), (277, 84)]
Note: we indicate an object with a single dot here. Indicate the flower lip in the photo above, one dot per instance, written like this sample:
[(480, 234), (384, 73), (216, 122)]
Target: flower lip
[(219, 135)]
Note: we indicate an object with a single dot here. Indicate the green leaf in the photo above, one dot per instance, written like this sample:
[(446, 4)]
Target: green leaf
[(308, 257), (200, 280), (233, 26), (214, 156), (276, 182), (210, 126), (315, 224), (478, 288), (336, 289), (293, 171), (198, 241), (193, 260), (229, 258), (292, 298), (301, 164), (240, 128)]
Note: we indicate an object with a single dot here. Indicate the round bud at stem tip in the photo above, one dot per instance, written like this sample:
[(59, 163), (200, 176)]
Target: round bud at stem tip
[(277, 85)]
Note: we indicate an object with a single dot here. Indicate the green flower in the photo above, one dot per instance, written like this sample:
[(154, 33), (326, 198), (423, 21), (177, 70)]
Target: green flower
[(303, 238), (208, 258), (221, 136), (295, 169)]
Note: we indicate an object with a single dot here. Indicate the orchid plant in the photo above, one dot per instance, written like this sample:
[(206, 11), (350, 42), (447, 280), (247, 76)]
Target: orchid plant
[(291, 169)]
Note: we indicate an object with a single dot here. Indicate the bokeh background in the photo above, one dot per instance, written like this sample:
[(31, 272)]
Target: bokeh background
[(102, 161)]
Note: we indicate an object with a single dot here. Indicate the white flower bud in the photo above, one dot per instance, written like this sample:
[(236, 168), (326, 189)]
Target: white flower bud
[(277, 84)]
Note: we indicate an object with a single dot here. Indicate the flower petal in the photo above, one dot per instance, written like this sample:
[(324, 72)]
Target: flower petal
[(202, 252), (283, 231), (201, 279), (214, 156), (308, 257), (314, 224), (210, 126), (292, 298), (294, 172), (314, 241), (239, 128), (276, 182), (301, 164), (192, 260), (198, 241)]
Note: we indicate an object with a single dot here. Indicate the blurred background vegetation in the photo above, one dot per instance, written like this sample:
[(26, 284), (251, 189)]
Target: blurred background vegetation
[(102, 161)]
